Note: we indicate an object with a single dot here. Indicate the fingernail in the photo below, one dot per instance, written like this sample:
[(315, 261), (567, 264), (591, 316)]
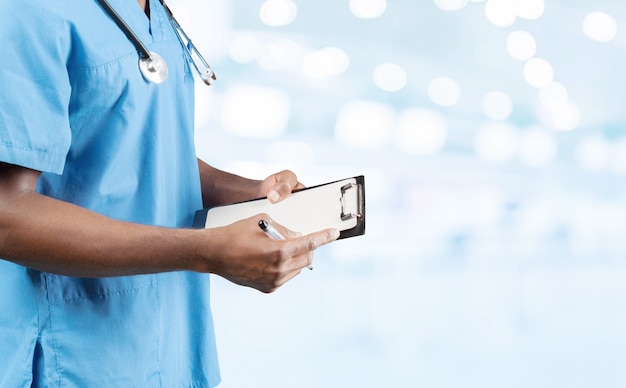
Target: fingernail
[(336, 234), (273, 196)]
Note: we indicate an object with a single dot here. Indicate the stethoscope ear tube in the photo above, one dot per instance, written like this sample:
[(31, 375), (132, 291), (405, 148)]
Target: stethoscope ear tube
[(141, 48), (152, 66), (206, 73)]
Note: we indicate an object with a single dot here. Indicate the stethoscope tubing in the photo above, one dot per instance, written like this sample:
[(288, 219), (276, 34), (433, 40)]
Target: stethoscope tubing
[(207, 75), (141, 48), (152, 66)]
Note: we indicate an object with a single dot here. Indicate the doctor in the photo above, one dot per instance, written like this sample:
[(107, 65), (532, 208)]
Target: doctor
[(103, 283)]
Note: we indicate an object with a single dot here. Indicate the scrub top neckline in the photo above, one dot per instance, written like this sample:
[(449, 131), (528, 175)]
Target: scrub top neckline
[(148, 29), (156, 20)]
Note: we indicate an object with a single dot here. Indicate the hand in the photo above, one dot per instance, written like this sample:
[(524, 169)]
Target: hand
[(246, 256), (279, 186)]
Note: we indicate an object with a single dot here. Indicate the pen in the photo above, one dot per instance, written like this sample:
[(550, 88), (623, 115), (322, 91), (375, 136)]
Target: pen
[(268, 229)]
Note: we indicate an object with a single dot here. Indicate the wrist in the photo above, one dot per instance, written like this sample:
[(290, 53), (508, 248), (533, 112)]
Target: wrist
[(199, 247)]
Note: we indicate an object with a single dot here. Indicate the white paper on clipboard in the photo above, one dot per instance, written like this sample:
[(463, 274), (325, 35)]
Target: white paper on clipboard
[(339, 204)]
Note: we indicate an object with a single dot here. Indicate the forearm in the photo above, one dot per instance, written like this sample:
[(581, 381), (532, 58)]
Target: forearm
[(46, 234), (220, 187), (53, 236)]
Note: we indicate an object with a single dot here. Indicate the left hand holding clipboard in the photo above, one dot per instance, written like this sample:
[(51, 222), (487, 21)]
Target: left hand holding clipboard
[(279, 186)]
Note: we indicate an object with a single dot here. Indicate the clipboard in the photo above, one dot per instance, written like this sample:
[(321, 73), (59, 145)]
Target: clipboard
[(339, 204)]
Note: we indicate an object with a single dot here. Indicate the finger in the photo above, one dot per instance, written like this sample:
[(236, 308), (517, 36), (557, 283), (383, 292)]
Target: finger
[(290, 269), (305, 260), (312, 241), (288, 277), (282, 184), (291, 234), (294, 265), (282, 230), (279, 192), (288, 233)]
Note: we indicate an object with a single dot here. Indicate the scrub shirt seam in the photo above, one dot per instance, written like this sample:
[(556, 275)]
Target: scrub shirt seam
[(159, 16), (40, 150), (105, 64), (105, 294), (158, 330), (30, 371), (52, 336)]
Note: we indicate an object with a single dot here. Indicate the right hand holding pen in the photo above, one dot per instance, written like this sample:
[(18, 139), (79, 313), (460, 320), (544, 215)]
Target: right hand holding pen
[(245, 255)]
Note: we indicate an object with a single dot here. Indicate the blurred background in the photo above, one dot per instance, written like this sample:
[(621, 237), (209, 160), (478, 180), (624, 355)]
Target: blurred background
[(491, 136)]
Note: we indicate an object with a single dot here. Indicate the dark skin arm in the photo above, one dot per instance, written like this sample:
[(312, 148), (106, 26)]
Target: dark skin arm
[(219, 187), (54, 236), (46, 234)]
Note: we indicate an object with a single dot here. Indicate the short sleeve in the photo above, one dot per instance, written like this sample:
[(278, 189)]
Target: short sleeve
[(35, 93)]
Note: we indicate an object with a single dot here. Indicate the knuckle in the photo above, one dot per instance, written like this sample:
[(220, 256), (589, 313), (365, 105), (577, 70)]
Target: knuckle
[(313, 243), (282, 255), (264, 216), (277, 268)]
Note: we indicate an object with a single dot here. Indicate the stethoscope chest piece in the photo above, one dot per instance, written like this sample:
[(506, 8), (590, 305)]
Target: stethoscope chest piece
[(153, 68)]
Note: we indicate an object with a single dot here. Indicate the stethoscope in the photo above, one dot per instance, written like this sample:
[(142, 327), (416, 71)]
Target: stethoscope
[(151, 64)]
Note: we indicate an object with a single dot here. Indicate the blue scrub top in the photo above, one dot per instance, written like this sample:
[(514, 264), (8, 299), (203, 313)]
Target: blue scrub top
[(74, 105)]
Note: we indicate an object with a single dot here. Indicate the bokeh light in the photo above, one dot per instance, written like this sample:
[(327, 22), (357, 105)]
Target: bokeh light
[(421, 131), (538, 147), (529, 9), (451, 5), (291, 155), (600, 26), (521, 45), (266, 111), (490, 134), (390, 77), (593, 154), (325, 63), (278, 12), (565, 117), (504, 13), (245, 49), (496, 142), (538, 73), (553, 96), (500, 13), (368, 9), (364, 124), (278, 54), (444, 91), (497, 105)]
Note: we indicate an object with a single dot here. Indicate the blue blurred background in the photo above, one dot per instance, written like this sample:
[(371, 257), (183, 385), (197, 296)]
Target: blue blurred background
[(491, 136)]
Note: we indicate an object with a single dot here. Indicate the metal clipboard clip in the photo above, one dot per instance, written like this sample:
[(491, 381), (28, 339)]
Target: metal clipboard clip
[(344, 214)]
